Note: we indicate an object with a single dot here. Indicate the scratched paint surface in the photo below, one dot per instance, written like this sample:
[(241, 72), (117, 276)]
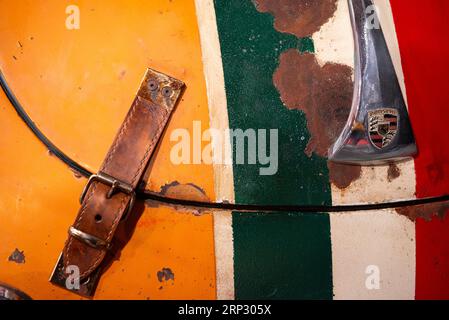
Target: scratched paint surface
[(297, 246)]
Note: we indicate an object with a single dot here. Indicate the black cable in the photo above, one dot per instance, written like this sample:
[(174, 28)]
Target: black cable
[(51, 147), (147, 195)]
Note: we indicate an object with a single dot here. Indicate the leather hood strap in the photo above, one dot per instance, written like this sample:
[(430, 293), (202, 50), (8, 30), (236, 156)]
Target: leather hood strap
[(110, 194)]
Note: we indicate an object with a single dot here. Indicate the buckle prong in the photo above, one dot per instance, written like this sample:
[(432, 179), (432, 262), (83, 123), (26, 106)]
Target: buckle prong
[(89, 239)]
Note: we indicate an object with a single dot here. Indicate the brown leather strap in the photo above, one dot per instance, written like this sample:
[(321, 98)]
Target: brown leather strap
[(109, 194)]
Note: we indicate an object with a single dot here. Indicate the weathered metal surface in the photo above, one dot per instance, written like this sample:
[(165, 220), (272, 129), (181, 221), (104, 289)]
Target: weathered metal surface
[(77, 85), (242, 50)]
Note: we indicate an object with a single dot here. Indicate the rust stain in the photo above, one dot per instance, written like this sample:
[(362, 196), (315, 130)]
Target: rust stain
[(299, 17), (342, 175), (17, 256), (425, 211), (393, 172), (324, 94), (187, 191), (165, 274)]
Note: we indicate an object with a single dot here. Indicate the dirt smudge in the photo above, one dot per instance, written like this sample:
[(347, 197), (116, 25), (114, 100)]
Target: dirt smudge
[(425, 211), (324, 94), (299, 17), (393, 172), (17, 256)]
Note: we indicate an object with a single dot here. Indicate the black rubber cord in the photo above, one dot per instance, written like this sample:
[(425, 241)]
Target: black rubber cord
[(146, 195)]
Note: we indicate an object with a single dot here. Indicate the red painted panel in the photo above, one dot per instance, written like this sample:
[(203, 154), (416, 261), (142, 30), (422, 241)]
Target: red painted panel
[(423, 34)]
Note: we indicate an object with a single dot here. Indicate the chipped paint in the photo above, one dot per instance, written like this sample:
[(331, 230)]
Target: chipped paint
[(165, 274), (342, 175), (299, 17), (394, 172), (428, 212), (188, 191), (17, 256), (324, 94)]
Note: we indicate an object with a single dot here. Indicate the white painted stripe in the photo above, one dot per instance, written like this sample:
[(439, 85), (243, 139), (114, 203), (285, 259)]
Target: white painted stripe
[(380, 239), (223, 173), (375, 238), (224, 254)]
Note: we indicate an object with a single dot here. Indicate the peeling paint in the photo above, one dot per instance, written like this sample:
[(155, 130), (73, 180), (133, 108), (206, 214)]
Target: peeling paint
[(299, 17), (17, 256), (426, 211), (165, 274)]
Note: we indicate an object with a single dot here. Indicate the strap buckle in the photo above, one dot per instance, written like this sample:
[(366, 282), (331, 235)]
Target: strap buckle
[(115, 184)]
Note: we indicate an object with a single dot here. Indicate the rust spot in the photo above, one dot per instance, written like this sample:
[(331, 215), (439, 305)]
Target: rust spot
[(187, 191), (342, 175), (17, 256), (324, 94), (393, 172), (299, 17), (425, 211), (165, 274)]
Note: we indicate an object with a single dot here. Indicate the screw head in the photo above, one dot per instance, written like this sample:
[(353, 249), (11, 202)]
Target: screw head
[(152, 84), (167, 91)]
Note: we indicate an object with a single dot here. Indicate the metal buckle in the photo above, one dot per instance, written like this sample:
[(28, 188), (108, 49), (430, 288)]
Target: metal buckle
[(115, 184), (89, 239)]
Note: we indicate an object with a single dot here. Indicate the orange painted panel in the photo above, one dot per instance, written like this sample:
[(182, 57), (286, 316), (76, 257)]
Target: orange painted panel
[(39, 201), (77, 85)]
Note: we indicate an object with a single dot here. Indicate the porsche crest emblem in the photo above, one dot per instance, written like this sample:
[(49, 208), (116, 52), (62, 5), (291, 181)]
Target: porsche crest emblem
[(383, 126)]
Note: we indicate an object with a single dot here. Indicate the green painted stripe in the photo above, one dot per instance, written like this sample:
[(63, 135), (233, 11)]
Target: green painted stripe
[(275, 256), (282, 256)]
